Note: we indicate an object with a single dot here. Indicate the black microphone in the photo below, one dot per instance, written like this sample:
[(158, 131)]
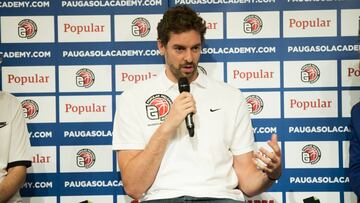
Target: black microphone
[(185, 87)]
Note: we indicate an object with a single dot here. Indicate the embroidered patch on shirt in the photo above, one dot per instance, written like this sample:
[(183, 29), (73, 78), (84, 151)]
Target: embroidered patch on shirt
[(158, 107)]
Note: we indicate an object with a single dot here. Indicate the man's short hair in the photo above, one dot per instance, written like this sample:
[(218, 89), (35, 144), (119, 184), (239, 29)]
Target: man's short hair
[(180, 19)]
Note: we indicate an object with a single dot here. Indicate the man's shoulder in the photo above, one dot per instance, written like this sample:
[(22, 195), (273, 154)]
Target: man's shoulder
[(140, 89), (223, 88), (7, 98), (9, 105)]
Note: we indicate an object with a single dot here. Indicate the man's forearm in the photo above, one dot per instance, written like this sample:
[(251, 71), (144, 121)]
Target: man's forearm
[(255, 184), (12, 183), (253, 178), (140, 172)]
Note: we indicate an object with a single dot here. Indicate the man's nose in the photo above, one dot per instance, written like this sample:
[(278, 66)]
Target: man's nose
[(189, 56)]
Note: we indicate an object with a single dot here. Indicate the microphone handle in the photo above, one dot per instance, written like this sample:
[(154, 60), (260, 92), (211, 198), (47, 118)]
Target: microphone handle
[(190, 124)]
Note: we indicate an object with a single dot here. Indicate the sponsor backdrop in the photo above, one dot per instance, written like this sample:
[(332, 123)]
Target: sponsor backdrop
[(296, 62)]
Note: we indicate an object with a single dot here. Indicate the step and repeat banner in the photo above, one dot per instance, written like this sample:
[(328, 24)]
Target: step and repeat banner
[(296, 61)]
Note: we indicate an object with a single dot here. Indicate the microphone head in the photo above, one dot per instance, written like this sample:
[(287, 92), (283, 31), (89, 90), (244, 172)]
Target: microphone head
[(184, 85)]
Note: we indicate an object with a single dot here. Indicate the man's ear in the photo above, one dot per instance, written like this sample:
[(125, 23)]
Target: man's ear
[(161, 47)]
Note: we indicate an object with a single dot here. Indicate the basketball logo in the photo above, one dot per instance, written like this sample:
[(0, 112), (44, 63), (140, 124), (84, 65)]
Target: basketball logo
[(140, 27), (311, 154), (252, 24), (310, 73), (30, 108), (158, 107), (85, 158), (85, 78), (255, 104), (27, 29)]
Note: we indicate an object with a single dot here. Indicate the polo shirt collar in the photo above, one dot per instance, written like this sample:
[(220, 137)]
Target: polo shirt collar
[(201, 80), (167, 84)]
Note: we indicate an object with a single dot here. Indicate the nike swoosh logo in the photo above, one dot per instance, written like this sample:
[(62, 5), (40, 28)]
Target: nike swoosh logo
[(3, 124), (213, 110)]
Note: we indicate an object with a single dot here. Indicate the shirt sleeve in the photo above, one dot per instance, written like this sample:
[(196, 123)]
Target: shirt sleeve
[(243, 140), (19, 153), (127, 134)]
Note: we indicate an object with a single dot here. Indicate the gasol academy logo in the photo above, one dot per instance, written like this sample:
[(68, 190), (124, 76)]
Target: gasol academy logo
[(85, 158), (310, 73), (255, 104), (27, 29), (30, 108), (85, 78), (140, 27), (311, 154), (158, 107), (252, 24)]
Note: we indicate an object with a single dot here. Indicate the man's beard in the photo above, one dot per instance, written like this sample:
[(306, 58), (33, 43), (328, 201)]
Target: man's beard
[(176, 71)]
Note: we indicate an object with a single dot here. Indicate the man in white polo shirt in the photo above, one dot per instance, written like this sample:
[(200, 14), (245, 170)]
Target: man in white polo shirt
[(15, 156), (158, 158)]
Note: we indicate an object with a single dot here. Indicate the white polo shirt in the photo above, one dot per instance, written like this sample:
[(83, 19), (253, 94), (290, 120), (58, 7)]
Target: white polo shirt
[(200, 166), (14, 137)]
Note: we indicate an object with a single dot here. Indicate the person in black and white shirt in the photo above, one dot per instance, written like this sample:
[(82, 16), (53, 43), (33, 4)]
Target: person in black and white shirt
[(15, 155)]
